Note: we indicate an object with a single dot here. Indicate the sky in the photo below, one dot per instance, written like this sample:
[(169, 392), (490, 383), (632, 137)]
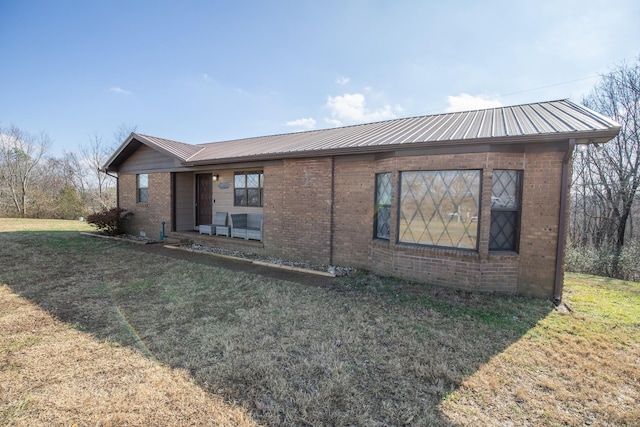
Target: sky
[(206, 71)]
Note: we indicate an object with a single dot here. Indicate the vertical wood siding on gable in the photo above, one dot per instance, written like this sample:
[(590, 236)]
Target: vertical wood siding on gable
[(145, 159)]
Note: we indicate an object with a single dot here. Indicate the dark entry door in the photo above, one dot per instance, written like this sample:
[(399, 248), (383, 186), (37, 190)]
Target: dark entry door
[(204, 197)]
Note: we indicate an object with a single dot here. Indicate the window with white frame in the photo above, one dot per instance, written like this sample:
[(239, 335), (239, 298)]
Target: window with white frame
[(440, 208), (142, 188), (506, 200)]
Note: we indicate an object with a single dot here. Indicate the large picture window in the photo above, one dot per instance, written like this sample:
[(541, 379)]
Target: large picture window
[(383, 205), (440, 208), (248, 188), (142, 188), (506, 200)]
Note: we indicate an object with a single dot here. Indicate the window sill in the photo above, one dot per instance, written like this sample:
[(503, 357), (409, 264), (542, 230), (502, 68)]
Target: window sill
[(503, 255), (142, 205), (422, 250)]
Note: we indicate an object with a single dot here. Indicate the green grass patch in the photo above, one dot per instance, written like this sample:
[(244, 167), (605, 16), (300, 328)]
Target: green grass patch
[(22, 224)]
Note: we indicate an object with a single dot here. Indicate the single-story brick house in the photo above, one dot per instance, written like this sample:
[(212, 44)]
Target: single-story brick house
[(473, 200)]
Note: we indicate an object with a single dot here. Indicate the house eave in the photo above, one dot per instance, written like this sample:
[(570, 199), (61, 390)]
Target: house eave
[(472, 145)]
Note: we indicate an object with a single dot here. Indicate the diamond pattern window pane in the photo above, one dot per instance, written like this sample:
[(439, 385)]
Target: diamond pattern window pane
[(383, 205), (440, 208), (253, 180), (505, 210), (383, 222), (383, 189), (504, 191), (504, 225)]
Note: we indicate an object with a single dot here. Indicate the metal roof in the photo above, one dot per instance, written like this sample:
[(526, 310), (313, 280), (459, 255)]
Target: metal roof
[(180, 150), (508, 123), (553, 120)]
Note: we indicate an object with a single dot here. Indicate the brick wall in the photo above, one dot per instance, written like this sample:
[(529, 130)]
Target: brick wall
[(297, 202), (274, 222), (147, 217), (540, 213), (531, 271), (322, 210), (354, 200)]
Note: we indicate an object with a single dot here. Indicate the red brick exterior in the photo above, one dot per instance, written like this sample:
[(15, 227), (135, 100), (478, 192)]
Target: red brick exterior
[(147, 217), (322, 210), (297, 209)]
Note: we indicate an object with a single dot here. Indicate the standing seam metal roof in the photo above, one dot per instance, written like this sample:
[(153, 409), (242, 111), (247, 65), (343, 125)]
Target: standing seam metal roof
[(560, 118)]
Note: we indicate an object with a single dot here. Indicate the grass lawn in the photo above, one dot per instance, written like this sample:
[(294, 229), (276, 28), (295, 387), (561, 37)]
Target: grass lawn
[(98, 332)]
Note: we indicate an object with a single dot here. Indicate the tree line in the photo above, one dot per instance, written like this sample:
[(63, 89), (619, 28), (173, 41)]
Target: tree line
[(605, 215), (34, 184)]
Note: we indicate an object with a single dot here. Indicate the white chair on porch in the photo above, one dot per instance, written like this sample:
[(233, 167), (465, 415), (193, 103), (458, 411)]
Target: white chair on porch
[(219, 226)]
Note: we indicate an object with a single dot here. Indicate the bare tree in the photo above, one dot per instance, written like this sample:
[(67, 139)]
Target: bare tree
[(94, 155), (20, 153), (120, 135), (607, 177)]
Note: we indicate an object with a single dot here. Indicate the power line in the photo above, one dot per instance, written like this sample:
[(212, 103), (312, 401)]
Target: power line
[(528, 90), (548, 86)]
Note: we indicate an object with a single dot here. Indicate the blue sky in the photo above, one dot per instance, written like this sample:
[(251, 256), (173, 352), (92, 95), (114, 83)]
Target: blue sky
[(203, 71)]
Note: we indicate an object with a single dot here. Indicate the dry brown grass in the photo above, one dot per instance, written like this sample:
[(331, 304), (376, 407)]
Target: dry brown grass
[(51, 374), (360, 351)]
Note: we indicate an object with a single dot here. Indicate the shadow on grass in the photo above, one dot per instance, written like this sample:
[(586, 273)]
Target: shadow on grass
[(293, 349)]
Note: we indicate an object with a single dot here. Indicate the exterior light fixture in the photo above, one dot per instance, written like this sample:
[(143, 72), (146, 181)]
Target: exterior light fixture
[(216, 177)]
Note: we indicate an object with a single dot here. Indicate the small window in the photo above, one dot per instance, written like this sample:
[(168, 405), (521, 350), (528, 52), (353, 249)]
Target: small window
[(440, 208), (142, 188), (248, 187), (506, 199), (383, 206)]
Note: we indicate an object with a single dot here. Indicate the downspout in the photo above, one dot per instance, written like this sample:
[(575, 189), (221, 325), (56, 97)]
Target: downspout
[(333, 173), (562, 224), (117, 187)]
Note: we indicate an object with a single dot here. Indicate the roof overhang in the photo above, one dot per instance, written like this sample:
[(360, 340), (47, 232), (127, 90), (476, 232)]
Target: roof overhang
[(442, 147), (133, 143)]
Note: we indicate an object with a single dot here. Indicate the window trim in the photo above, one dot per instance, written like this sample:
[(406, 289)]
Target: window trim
[(518, 210), (246, 189), (139, 187)]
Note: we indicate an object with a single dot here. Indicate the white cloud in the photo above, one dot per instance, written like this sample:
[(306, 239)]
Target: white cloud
[(333, 122), (351, 108), (308, 123), (466, 102), (119, 90), (342, 80)]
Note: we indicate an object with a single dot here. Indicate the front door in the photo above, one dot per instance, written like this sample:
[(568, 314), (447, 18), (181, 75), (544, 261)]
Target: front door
[(204, 197)]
